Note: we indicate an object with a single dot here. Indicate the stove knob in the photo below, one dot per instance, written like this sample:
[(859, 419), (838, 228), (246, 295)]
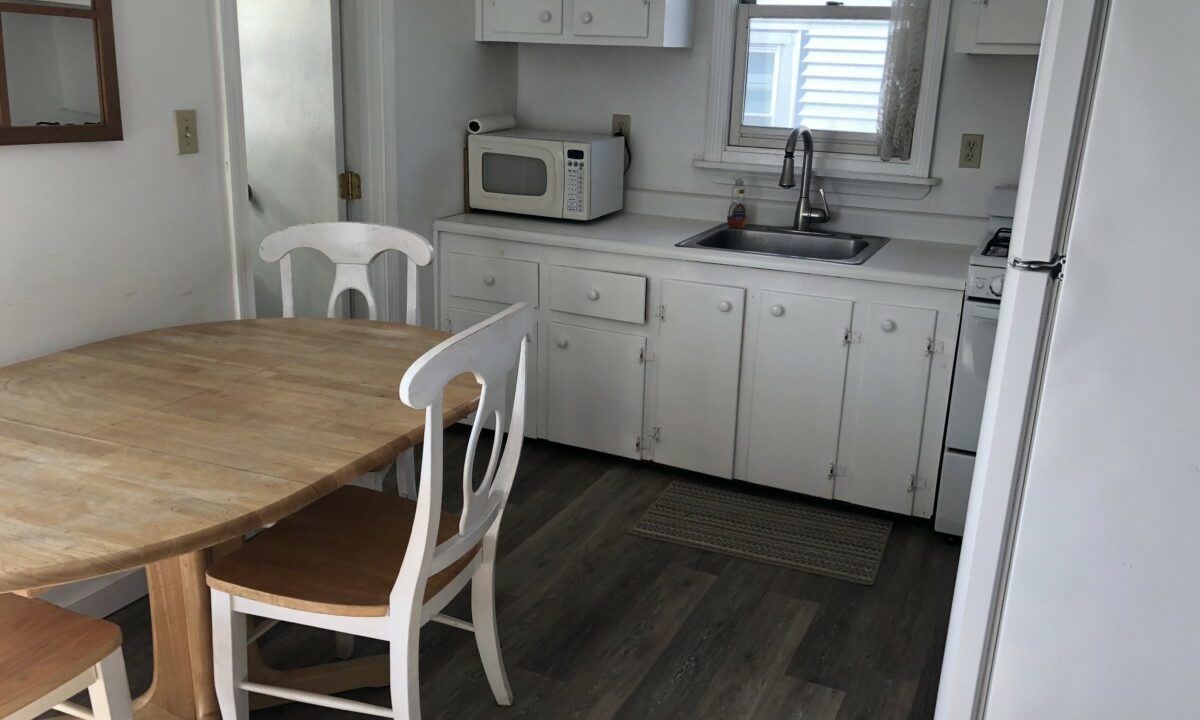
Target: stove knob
[(997, 286)]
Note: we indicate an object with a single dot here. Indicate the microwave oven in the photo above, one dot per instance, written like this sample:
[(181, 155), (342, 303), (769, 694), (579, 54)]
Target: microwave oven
[(551, 174)]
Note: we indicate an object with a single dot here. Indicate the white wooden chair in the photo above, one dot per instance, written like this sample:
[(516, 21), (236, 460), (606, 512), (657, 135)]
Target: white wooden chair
[(48, 655), (351, 247), (298, 571)]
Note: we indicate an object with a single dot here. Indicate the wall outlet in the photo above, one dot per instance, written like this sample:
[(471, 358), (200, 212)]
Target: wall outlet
[(970, 153), (621, 125), (185, 130)]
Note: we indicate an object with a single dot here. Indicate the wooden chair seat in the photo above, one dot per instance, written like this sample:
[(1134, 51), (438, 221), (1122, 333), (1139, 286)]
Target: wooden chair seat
[(43, 647), (338, 556)]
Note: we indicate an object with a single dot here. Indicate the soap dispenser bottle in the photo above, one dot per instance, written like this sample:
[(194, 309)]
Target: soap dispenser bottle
[(737, 207)]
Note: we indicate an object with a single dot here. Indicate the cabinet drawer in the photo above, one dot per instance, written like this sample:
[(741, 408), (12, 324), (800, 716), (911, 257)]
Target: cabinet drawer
[(497, 279), (599, 294)]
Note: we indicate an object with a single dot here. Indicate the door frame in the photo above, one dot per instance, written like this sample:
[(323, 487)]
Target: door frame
[(369, 41)]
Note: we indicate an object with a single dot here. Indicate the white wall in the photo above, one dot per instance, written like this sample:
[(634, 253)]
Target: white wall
[(666, 92), (444, 78), (103, 239)]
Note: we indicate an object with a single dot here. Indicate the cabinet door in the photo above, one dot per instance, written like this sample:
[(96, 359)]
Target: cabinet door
[(595, 389), (1011, 22), (885, 407), (696, 388), (612, 18), (458, 320), (542, 17), (796, 404)]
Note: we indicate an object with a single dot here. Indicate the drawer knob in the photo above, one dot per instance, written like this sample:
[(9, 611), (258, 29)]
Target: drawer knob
[(586, 18), (593, 295), (561, 342), (777, 310), (489, 280), (725, 306), (546, 16), (888, 326)]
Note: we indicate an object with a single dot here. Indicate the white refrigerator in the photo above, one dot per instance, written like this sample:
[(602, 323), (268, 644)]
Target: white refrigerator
[(1078, 590)]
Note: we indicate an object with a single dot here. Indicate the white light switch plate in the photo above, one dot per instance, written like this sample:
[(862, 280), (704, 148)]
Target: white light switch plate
[(185, 129)]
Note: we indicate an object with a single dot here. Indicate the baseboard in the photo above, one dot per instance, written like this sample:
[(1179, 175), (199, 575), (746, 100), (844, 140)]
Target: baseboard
[(99, 597)]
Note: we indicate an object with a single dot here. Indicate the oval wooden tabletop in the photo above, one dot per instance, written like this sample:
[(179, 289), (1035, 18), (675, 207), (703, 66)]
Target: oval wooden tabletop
[(144, 447)]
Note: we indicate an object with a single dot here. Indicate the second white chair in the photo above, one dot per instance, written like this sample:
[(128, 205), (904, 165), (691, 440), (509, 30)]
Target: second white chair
[(302, 570), (351, 247)]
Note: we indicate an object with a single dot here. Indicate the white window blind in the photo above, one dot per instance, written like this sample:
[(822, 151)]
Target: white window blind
[(812, 64)]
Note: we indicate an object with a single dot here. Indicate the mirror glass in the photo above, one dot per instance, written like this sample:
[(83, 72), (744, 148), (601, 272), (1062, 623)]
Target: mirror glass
[(51, 69)]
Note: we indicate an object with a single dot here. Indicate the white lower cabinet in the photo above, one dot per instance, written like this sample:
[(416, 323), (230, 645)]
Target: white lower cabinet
[(796, 402), (595, 388), (699, 354), (457, 320), (827, 386), (884, 420)]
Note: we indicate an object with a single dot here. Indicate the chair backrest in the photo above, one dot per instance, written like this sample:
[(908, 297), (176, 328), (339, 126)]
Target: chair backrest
[(351, 247), (491, 351)]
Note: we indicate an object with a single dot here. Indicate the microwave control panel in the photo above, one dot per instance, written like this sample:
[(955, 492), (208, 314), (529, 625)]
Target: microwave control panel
[(576, 191)]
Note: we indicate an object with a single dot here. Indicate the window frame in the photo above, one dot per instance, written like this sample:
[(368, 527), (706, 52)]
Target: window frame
[(719, 154), (757, 136)]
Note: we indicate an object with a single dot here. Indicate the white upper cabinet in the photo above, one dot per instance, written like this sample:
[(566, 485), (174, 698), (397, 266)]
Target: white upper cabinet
[(651, 23), (522, 17), (612, 18), (1001, 27), (699, 358)]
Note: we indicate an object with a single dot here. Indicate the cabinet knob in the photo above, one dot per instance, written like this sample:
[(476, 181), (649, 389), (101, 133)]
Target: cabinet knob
[(547, 16), (561, 342), (777, 310), (489, 280), (593, 295), (586, 18), (888, 326), (725, 306)]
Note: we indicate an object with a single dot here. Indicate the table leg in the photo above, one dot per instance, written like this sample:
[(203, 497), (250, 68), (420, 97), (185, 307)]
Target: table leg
[(181, 622)]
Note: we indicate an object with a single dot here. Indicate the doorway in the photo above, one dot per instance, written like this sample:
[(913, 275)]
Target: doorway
[(315, 116)]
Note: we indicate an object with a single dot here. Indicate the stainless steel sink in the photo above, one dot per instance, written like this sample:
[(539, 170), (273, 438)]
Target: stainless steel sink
[(804, 244)]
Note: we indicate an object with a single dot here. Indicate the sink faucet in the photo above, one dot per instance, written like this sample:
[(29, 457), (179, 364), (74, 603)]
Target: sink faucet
[(806, 214)]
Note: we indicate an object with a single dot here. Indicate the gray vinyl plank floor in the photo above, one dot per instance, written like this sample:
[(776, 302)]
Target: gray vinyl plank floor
[(597, 623)]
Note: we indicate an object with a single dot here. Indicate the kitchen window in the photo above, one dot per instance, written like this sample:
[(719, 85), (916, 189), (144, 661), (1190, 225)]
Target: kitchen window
[(832, 68)]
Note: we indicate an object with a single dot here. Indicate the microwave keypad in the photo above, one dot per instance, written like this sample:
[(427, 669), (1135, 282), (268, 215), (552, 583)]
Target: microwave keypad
[(575, 171)]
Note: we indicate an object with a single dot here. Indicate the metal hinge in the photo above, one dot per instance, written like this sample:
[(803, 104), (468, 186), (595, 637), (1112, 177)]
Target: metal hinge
[(916, 482), (1054, 265), (656, 434), (645, 356), (349, 185), (835, 471), (661, 312), (851, 337), (935, 347)]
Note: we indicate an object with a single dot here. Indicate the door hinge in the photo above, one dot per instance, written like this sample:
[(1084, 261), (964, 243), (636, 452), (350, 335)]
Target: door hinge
[(661, 312), (835, 471), (645, 356), (935, 347), (851, 337), (1055, 265), (656, 434), (350, 185), (916, 482)]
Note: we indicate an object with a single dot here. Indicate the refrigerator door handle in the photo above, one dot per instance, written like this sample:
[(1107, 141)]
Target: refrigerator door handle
[(1054, 266)]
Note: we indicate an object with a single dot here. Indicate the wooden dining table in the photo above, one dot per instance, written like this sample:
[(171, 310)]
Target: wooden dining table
[(164, 448)]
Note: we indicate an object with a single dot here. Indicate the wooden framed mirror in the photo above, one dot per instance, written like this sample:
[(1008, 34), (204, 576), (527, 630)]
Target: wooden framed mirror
[(58, 72)]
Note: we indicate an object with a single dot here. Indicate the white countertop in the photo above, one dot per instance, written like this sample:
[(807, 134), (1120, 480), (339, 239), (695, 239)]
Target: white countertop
[(901, 261)]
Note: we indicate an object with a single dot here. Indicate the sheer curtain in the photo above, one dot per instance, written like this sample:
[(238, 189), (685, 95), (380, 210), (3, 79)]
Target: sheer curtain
[(902, 78)]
